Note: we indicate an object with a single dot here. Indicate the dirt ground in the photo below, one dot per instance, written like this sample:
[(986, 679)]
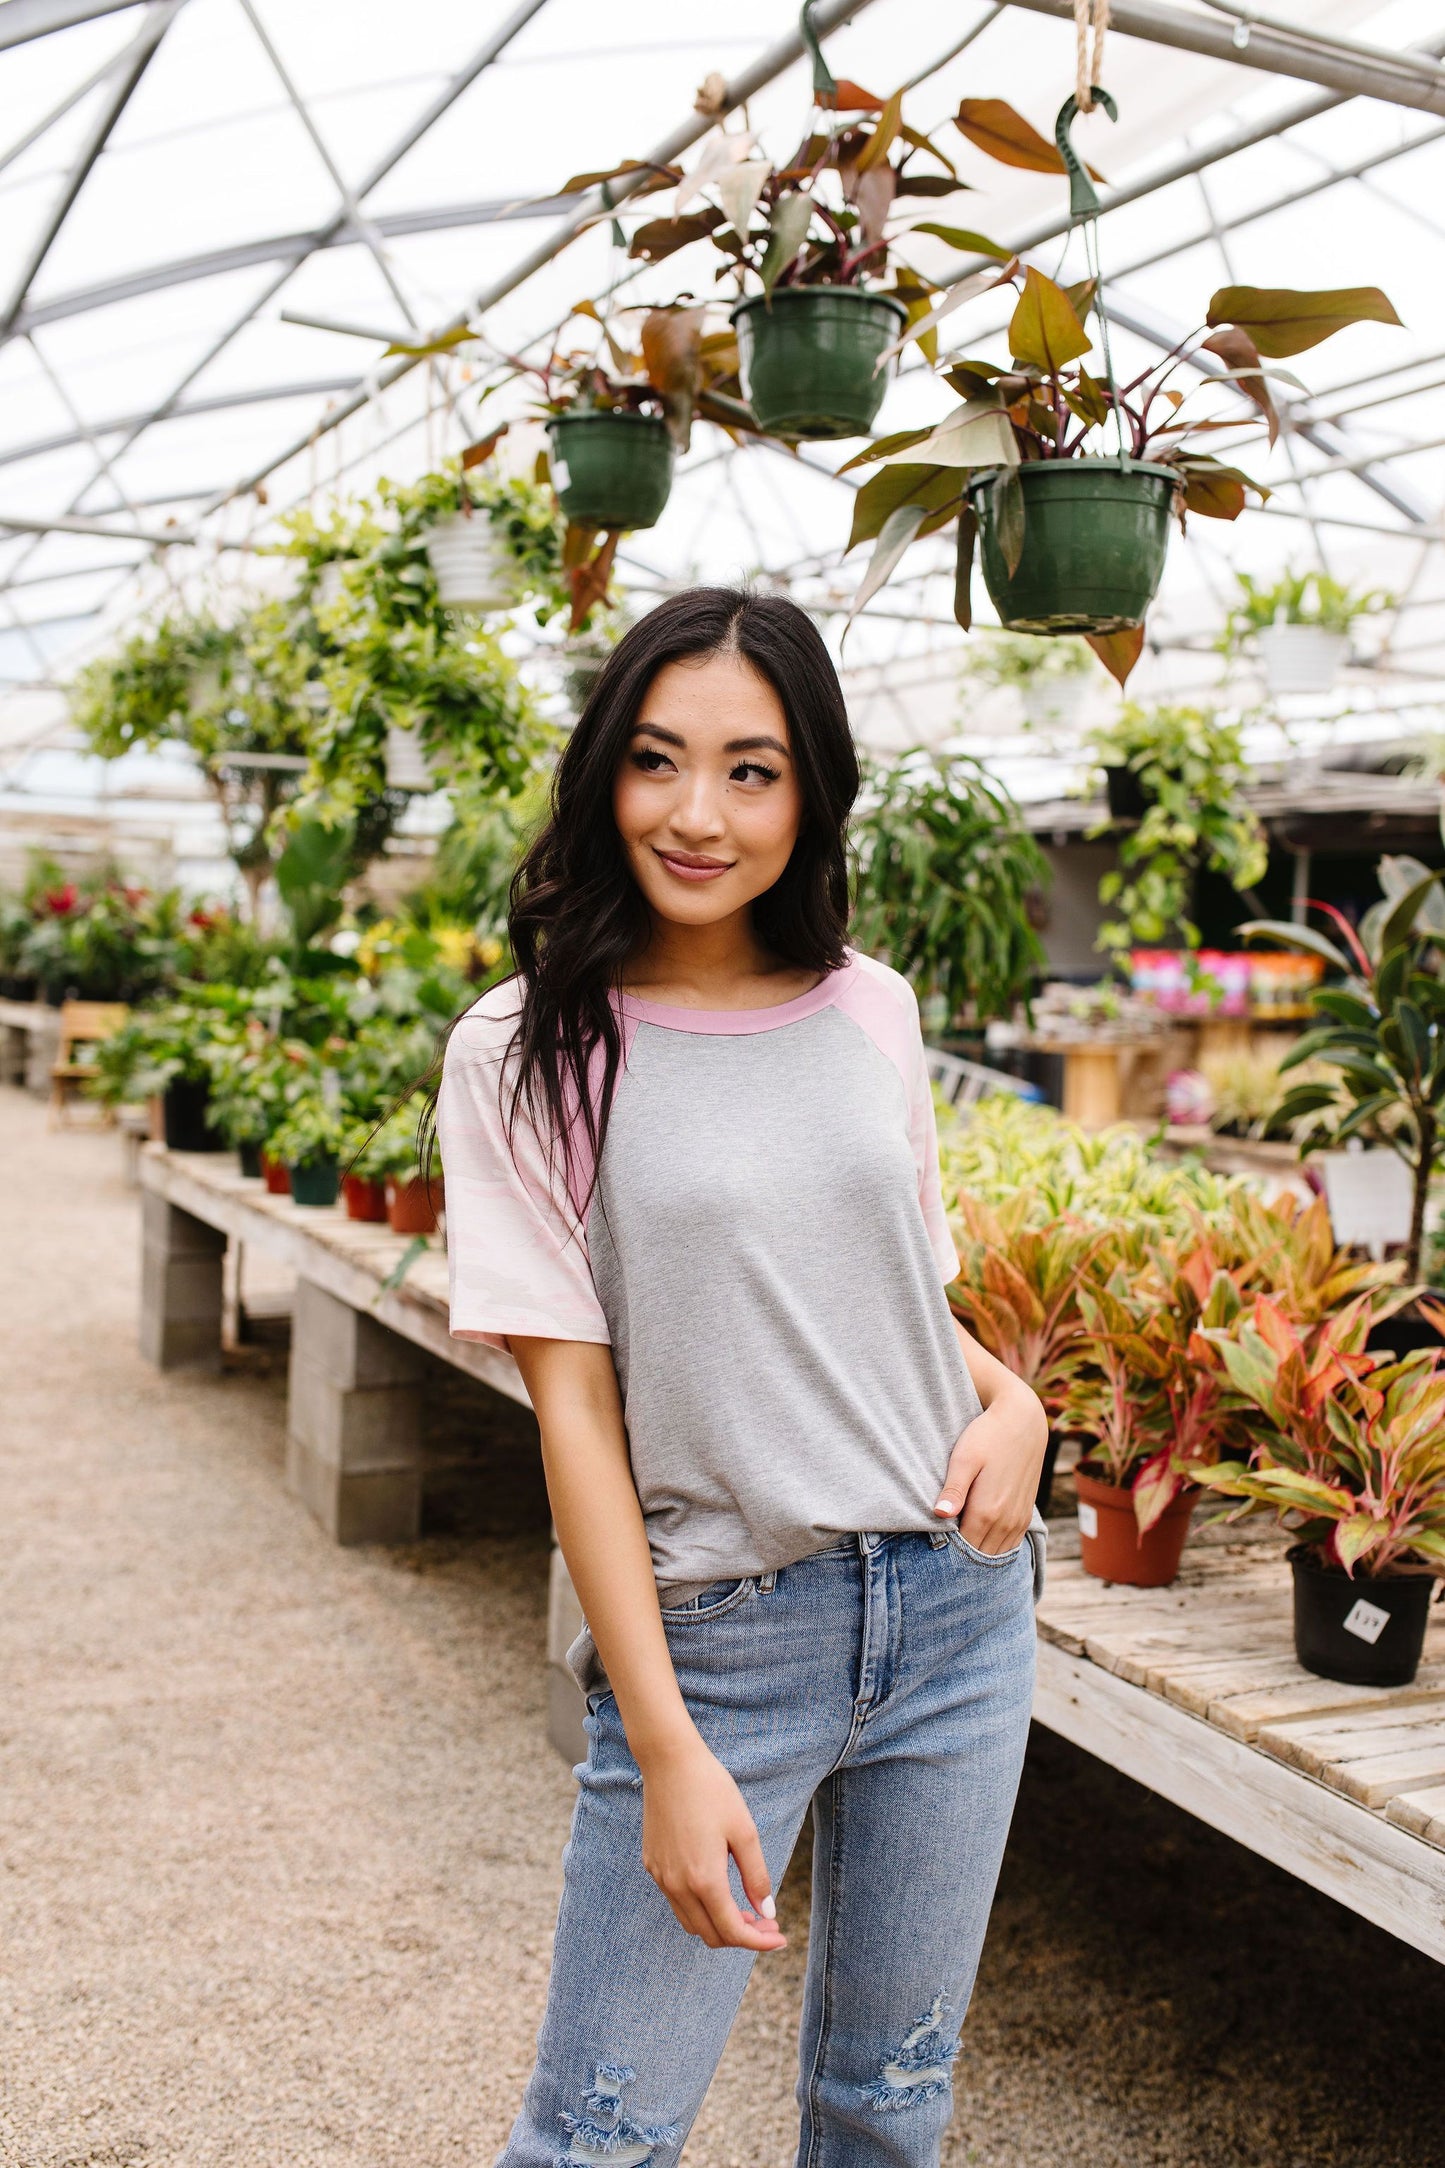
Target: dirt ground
[(280, 1832)]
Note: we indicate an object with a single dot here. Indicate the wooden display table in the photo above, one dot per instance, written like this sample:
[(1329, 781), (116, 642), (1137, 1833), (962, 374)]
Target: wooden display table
[(1194, 1690)]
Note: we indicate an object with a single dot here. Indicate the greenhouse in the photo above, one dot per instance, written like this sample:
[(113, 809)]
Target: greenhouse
[(722, 1083)]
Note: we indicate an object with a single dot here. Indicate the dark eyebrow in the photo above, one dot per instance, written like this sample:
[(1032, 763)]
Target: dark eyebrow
[(754, 745), (655, 730)]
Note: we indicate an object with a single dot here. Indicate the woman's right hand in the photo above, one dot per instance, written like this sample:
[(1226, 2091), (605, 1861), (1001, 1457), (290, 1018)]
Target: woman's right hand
[(693, 1817)]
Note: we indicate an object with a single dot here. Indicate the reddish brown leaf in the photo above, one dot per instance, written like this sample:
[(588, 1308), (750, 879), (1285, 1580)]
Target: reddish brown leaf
[(1238, 351), (661, 237), (588, 582), (1118, 651), (993, 126), (483, 448), (850, 97), (671, 351)]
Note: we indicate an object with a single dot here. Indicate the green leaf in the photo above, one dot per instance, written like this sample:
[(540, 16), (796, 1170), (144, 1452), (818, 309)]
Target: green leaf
[(1044, 329), (1400, 925), (977, 244), (978, 435), (881, 447), (963, 567), (891, 487), (1303, 937), (1006, 501), (897, 531), (1283, 321), (787, 230), (417, 1247)]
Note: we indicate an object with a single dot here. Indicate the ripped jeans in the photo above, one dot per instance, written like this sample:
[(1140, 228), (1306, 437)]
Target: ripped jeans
[(886, 1683)]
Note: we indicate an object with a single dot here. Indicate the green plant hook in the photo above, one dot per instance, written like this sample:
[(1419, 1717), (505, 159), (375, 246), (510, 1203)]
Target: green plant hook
[(825, 87), (1083, 196)]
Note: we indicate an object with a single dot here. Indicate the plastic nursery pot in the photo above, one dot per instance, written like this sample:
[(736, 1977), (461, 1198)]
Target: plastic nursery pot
[(249, 1153), (1110, 1545), (276, 1177), (1405, 1333), (473, 568), (409, 1209), (364, 1200), (1095, 539), (809, 358), (1045, 1490), (1301, 658), (317, 1183), (1364, 1632), (407, 761), (611, 469), (183, 1115), (1128, 799)]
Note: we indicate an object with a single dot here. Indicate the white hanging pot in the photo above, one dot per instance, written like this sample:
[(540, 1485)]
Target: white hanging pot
[(329, 582), (1302, 658), (408, 764), (474, 568), (1055, 703)]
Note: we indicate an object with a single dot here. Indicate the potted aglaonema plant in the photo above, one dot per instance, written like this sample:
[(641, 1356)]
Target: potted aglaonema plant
[(1150, 1404), (1349, 1450), (1017, 1291), (1298, 627), (309, 1143)]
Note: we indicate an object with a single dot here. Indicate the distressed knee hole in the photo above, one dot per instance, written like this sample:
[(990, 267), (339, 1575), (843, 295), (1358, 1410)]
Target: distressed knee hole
[(603, 2136), (923, 2065)]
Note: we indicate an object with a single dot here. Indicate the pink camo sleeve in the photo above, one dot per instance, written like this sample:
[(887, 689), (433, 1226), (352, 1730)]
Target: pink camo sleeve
[(517, 1258), (883, 1004)]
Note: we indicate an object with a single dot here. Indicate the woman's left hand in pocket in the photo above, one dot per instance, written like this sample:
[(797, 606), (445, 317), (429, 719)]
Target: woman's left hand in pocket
[(993, 1470)]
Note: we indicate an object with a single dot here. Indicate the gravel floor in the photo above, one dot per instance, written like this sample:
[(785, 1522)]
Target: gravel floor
[(279, 1835)]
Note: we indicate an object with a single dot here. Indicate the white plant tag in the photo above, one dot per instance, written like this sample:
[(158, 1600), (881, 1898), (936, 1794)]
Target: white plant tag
[(1366, 1621), (1089, 1520), (561, 473)]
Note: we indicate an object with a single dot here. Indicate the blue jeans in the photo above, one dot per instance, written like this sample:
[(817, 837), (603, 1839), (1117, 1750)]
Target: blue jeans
[(887, 1683)]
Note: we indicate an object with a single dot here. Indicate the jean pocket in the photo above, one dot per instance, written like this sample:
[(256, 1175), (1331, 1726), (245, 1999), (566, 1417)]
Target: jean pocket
[(712, 1601), (961, 1544)]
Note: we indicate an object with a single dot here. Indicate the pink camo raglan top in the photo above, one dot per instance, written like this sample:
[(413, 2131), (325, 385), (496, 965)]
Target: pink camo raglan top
[(765, 1250)]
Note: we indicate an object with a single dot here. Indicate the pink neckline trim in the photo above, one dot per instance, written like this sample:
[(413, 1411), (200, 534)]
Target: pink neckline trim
[(737, 1023)]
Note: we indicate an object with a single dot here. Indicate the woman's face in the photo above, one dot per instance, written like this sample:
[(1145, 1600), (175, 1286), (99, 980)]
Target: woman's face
[(707, 800)]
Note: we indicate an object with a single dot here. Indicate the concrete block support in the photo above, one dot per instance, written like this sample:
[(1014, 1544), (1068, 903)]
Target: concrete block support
[(353, 1449), (564, 1704), (180, 1312)]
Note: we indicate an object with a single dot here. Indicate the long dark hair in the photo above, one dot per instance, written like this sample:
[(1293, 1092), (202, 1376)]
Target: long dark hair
[(576, 914)]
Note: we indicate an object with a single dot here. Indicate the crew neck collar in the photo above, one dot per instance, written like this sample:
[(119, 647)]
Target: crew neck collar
[(737, 1023)]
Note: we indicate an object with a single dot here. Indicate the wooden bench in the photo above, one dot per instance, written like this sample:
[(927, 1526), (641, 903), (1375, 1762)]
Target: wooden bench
[(1191, 1690)]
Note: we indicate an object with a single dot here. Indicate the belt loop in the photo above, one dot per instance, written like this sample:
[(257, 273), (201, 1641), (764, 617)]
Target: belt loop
[(767, 1581)]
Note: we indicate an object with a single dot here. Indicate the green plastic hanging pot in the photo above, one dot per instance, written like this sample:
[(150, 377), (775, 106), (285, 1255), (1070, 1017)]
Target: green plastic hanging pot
[(1095, 539), (611, 469), (809, 358), (318, 1183)]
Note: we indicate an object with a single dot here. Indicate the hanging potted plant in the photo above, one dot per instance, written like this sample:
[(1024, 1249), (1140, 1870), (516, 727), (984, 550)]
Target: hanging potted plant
[(1176, 775), (1298, 627), (1050, 677), (1065, 480), (1350, 1452), (309, 1143)]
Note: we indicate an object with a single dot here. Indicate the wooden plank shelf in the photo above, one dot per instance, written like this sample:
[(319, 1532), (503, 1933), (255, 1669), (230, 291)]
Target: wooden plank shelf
[(1194, 1690)]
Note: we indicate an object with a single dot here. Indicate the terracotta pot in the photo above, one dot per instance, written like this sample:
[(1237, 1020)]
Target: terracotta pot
[(276, 1177), (364, 1200), (1110, 1544), (409, 1209)]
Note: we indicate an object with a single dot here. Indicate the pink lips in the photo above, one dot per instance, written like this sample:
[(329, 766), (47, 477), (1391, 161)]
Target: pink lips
[(690, 868)]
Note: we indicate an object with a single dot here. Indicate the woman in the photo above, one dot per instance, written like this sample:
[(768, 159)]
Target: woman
[(692, 1183)]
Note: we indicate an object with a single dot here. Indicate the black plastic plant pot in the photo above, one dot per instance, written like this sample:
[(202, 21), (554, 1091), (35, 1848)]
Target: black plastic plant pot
[(1404, 1334), (611, 469), (809, 358), (250, 1155), (1044, 1495), (1094, 542), (318, 1183), (185, 1111), (1128, 799), (1360, 1631)]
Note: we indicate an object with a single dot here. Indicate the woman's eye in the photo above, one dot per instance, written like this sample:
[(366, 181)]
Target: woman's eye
[(650, 760), (753, 771)]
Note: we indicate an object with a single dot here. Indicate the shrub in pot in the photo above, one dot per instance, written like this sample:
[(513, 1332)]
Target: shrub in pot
[(1299, 627), (309, 1143), (1349, 1450), (392, 1155)]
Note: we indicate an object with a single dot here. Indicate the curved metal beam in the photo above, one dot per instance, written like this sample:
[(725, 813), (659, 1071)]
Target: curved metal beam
[(22, 20), (13, 455)]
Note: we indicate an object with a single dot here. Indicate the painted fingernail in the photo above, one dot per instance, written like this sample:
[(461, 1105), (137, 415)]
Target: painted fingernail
[(768, 1909), (945, 1505)]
